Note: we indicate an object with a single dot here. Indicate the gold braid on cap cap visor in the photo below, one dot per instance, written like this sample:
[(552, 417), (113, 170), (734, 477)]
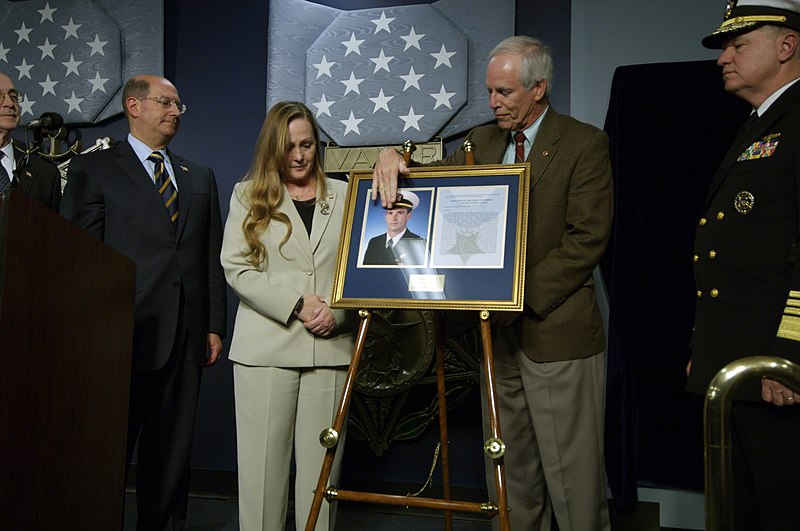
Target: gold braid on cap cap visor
[(737, 23)]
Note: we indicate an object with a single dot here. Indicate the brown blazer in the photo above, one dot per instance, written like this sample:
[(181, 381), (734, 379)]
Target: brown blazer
[(568, 229)]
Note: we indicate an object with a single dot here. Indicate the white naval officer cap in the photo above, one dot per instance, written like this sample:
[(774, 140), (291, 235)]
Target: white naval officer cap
[(406, 199), (746, 15)]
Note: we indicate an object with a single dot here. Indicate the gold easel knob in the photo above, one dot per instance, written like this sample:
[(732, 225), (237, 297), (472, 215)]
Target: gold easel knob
[(331, 493), (484, 315), (408, 147), (469, 152), (489, 508), (494, 448), (406, 150), (329, 438)]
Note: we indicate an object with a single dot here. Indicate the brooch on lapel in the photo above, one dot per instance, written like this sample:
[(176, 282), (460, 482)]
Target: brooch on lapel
[(184, 168), (324, 206), (763, 148)]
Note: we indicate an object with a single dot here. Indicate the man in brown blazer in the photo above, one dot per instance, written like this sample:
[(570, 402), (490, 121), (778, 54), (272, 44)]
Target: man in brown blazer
[(550, 359)]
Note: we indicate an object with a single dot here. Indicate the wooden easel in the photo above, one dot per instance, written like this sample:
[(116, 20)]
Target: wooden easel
[(493, 447)]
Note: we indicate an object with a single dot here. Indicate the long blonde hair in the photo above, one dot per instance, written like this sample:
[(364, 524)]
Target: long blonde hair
[(266, 188)]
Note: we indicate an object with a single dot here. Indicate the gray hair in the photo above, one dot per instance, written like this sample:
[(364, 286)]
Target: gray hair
[(537, 61)]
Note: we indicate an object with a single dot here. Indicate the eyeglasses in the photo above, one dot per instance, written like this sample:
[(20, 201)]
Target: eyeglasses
[(13, 95), (167, 102)]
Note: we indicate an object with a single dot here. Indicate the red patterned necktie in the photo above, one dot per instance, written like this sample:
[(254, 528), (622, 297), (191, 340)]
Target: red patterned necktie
[(519, 138)]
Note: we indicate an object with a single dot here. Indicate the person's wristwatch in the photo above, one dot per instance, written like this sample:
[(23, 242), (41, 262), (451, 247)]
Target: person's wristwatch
[(298, 307)]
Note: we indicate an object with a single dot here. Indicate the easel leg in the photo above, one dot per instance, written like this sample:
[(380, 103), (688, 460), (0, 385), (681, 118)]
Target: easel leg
[(444, 437), (330, 437), (494, 447)]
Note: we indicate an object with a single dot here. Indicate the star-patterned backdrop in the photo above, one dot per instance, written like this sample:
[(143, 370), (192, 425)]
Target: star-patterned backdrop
[(68, 56), (384, 75)]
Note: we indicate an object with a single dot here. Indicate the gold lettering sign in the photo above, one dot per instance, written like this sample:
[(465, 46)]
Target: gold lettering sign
[(347, 159)]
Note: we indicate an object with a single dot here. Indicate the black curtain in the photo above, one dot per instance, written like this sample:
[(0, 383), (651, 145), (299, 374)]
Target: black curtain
[(669, 125)]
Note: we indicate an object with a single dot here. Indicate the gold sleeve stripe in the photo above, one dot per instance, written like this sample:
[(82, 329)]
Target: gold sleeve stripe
[(789, 328), (791, 311), (794, 294), (792, 303)]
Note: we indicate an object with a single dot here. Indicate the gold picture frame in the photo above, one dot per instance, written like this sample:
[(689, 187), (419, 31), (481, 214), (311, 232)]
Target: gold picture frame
[(468, 227)]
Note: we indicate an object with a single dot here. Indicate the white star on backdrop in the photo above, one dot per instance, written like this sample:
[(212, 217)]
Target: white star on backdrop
[(351, 124), (47, 13), (443, 98), (71, 29), (323, 106), (381, 62), (411, 119), (412, 79), (73, 102), (47, 48), (381, 102), (98, 83), (442, 57), (26, 105), (72, 66), (97, 45), (324, 67), (382, 24), (48, 86), (352, 84), (24, 69), (412, 40), (353, 45), (23, 33)]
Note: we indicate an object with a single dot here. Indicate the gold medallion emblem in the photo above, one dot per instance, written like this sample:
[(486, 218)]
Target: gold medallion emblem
[(743, 202), (399, 348)]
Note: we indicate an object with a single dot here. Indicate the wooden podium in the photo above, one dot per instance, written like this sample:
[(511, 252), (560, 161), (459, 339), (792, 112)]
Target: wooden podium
[(66, 329)]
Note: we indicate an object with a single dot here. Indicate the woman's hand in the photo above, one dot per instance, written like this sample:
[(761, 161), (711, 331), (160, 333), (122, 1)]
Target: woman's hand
[(317, 316)]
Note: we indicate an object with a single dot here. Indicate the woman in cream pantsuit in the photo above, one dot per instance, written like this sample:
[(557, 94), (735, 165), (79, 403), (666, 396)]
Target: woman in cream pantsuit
[(290, 350)]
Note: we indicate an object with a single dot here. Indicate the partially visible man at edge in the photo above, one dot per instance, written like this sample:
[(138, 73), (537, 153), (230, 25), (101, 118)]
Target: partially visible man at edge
[(37, 178), (549, 360), (747, 269), (174, 235)]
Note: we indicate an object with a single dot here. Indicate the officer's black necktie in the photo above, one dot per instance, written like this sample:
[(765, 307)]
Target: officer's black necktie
[(5, 179)]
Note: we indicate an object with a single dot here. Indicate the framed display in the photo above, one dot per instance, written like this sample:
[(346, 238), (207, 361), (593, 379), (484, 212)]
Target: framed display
[(455, 239)]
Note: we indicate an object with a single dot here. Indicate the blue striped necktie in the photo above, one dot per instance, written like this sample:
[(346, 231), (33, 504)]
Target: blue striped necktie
[(169, 194)]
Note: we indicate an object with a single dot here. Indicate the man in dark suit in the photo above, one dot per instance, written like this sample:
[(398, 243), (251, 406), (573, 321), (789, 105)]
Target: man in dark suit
[(38, 178), (398, 245), (126, 196), (747, 268), (550, 360)]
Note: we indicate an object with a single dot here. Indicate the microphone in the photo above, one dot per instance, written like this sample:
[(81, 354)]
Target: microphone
[(48, 120)]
